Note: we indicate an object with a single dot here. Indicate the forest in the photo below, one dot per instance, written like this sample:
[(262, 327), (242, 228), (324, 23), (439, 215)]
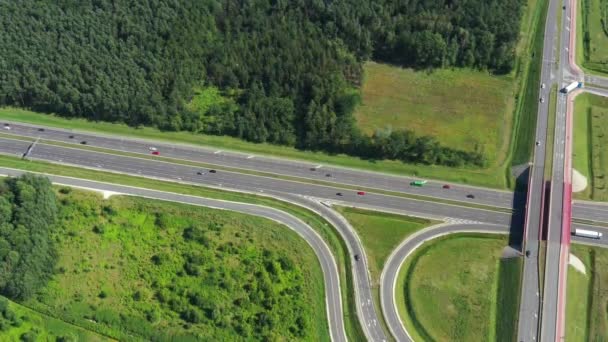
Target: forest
[(287, 71)]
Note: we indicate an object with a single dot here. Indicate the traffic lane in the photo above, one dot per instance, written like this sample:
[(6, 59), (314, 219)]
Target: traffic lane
[(369, 318), (602, 241), (324, 255), (398, 257), (177, 172), (273, 165), (590, 211)]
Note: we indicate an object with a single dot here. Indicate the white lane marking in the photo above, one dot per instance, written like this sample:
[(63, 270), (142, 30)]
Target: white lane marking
[(250, 157), (217, 152)]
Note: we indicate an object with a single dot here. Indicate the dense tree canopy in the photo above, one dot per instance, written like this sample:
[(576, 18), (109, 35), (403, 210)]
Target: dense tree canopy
[(287, 69), (28, 211)]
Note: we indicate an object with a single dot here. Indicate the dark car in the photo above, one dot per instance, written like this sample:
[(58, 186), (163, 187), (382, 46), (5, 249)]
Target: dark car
[(212, 171), (313, 169), (527, 253), (338, 194), (356, 257), (447, 186), (71, 137), (83, 142), (200, 173), (40, 129), (328, 175), (470, 196)]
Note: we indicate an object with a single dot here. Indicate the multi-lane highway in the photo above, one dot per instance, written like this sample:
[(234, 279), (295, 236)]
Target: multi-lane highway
[(324, 255)]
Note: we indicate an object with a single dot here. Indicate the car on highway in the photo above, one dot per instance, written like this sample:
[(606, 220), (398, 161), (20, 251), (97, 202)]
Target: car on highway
[(537, 143), (200, 173), (360, 193), (40, 129), (84, 142), (338, 194), (542, 100), (446, 186), (156, 153), (313, 169), (212, 171), (152, 148), (7, 127), (356, 257), (470, 196), (71, 137), (328, 175), (542, 86), (528, 253)]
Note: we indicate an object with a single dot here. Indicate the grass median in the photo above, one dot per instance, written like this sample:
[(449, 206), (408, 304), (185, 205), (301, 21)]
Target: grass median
[(331, 236), (592, 36), (449, 289)]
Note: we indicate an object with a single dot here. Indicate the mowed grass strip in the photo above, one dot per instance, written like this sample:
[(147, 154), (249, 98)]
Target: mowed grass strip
[(594, 28), (491, 177), (44, 328), (135, 268), (590, 152), (587, 298), (507, 308), (327, 232), (464, 109), (446, 291)]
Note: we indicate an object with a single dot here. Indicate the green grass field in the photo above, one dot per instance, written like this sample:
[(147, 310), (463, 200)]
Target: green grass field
[(463, 109), (136, 268), (43, 327), (590, 145), (592, 35), (507, 307), (331, 237), (587, 298), (441, 301)]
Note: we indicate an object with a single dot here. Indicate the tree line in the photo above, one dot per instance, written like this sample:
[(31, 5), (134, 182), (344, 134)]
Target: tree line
[(28, 211), (288, 71)]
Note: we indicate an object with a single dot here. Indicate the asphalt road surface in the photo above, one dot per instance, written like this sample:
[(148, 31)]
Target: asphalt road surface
[(284, 167), (530, 303), (326, 259), (393, 264)]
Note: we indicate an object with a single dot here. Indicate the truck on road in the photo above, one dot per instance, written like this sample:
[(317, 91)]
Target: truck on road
[(570, 87), (418, 183), (591, 234)]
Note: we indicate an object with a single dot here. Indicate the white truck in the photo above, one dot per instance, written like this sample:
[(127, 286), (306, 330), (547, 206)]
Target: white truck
[(570, 87), (591, 234)]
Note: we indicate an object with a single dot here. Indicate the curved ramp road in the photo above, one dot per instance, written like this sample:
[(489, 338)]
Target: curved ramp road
[(326, 259), (270, 165), (388, 280)]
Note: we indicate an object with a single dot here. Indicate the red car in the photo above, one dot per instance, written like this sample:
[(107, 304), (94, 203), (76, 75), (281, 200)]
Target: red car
[(361, 193), (447, 186), (156, 153)]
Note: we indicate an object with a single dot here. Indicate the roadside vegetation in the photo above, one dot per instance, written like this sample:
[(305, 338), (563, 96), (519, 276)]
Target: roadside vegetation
[(18, 323), (590, 152), (331, 237), (133, 268), (448, 289), (507, 306), (586, 301), (592, 35)]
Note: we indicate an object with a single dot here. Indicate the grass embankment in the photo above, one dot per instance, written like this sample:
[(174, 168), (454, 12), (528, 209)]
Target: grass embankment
[(380, 234), (592, 35), (40, 327), (590, 148), (507, 307), (331, 237), (587, 298), (134, 268), (447, 290)]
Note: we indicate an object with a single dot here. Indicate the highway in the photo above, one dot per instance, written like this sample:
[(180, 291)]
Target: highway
[(324, 255), (284, 167)]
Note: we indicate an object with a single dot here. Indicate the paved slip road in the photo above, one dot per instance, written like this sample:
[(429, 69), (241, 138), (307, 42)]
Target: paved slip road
[(284, 167), (326, 259)]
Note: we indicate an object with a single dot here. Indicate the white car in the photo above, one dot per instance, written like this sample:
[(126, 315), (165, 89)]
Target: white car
[(8, 128), (151, 148), (542, 100), (542, 86), (537, 143)]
